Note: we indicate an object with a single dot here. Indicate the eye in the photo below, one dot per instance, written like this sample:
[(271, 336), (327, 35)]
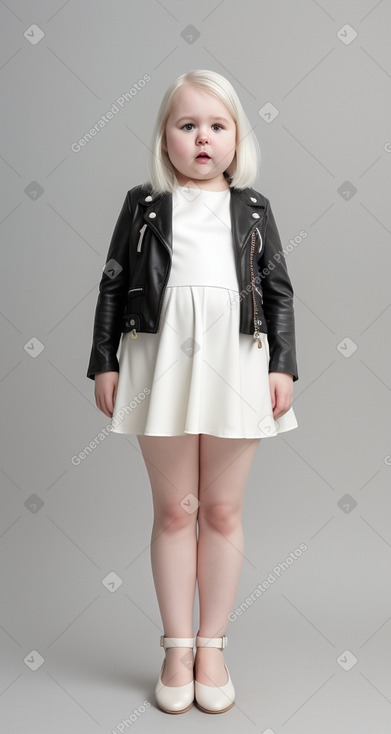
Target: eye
[(191, 124)]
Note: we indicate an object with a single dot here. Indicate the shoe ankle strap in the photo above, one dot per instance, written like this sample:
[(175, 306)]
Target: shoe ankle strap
[(176, 641), (220, 642)]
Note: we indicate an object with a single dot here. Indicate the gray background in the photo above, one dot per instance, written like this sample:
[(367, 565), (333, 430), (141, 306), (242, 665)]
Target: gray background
[(312, 653)]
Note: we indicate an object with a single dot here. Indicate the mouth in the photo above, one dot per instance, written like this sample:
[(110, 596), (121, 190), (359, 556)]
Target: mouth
[(201, 156)]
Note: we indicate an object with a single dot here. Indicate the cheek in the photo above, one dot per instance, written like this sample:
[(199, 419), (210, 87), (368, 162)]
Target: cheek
[(231, 144), (177, 143)]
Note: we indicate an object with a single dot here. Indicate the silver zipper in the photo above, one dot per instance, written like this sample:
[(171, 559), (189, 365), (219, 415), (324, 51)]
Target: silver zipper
[(142, 230), (257, 321), (140, 239)]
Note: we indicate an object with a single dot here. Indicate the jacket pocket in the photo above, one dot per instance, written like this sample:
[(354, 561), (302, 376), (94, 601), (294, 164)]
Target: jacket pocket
[(131, 320)]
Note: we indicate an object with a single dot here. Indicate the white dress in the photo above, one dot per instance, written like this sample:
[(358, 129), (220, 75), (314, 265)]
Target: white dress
[(198, 373)]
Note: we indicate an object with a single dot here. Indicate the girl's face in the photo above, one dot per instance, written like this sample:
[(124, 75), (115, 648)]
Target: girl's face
[(199, 121)]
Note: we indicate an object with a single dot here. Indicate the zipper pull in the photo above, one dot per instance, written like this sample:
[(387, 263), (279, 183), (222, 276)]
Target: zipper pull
[(260, 239), (134, 334), (142, 230), (257, 337)]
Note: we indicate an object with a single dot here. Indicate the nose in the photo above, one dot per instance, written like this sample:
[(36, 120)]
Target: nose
[(202, 137)]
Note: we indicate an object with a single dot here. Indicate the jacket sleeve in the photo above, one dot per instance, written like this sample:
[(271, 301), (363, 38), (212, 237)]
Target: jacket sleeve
[(278, 301), (112, 298)]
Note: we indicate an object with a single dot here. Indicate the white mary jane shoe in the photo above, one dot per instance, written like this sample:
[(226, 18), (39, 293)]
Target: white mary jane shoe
[(174, 699), (214, 699)]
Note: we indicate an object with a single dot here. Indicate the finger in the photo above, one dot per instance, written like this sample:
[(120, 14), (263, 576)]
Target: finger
[(101, 402), (282, 407), (273, 396), (108, 404)]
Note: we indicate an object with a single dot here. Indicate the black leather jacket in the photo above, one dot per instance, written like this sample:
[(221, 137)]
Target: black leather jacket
[(138, 265)]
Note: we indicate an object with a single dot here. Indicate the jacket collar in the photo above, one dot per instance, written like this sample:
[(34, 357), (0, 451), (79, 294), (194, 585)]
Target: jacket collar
[(247, 209)]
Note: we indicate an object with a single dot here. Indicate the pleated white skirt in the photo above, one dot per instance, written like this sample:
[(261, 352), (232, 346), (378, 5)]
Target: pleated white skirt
[(198, 374)]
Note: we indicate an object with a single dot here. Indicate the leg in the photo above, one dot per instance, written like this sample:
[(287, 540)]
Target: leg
[(225, 465), (172, 463)]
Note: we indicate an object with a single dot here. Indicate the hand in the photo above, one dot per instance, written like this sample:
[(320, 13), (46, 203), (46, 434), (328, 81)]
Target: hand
[(106, 384), (281, 392)]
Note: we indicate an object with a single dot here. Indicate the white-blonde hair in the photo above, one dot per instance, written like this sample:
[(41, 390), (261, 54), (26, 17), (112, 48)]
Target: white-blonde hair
[(244, 166)]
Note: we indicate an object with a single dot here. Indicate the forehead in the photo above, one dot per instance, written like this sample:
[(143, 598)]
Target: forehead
[(189, 99)]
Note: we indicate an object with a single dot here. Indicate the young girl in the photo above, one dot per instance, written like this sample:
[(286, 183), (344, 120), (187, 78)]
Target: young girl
[(196, 281)]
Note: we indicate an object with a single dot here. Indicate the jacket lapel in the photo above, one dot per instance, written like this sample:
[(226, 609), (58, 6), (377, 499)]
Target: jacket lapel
[(242, 208), (161, 224)]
